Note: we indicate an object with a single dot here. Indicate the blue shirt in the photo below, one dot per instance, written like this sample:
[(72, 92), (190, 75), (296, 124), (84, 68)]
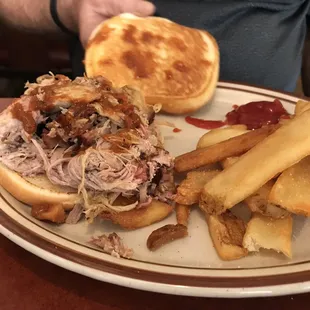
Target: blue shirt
[(260, 42)]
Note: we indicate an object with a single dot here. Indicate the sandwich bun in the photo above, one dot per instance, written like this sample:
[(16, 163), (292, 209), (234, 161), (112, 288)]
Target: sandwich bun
[(50, 202), (37, 190), (174, 66)]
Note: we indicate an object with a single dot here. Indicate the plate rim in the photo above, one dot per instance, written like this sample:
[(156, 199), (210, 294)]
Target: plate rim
[(160, 282)]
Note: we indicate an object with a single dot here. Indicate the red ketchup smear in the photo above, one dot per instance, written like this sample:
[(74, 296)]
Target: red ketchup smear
[(257, 114), (177, 130), (204, 124), (254, 115)]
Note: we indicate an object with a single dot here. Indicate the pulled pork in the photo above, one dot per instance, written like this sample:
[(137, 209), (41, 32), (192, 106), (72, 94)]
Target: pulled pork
[(112, 245), (88, 136)]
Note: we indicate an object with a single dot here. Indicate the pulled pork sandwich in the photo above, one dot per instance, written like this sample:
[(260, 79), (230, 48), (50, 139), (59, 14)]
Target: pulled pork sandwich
[(86, 147)]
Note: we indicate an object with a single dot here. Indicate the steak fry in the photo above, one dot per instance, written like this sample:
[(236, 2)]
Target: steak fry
[(188, 192), (301, 107), (220, 134), (284, 148), (291, 190), (182, 213), (268, 233), (227, 232), (227, 162), (258, 203), (215, 153)]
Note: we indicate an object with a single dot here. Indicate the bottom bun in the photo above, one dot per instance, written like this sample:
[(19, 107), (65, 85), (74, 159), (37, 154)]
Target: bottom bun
[(36, 190)]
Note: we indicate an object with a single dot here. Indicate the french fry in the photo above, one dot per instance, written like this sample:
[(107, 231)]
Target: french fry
[(215, 136), (268, 233), (138, 218), (258, 203), (301, 106), (283, 121), (189, 190), (284, 148), (182, 213), (292, 189), (227, 162), (227, 232), (53, 213), (217, 152)]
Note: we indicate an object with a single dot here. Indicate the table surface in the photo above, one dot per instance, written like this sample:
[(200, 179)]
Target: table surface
[(29, 282)]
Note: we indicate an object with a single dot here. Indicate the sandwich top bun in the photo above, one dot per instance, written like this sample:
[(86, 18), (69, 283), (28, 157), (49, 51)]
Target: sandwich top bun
[(173, 65)]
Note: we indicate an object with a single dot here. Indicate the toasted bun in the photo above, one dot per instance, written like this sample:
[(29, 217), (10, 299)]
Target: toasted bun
[(36, 190), (39, 190), (173, 65)]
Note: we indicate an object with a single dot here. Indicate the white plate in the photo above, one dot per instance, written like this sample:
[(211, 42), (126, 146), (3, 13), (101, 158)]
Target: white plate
[(186, 267)]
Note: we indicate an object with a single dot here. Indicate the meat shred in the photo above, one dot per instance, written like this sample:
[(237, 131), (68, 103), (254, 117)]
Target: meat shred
[(112, 245)]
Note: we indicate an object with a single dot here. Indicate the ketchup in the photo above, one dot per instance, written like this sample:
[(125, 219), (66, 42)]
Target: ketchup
[(253, 114), (257, 114), (177, 130), (204, 124)]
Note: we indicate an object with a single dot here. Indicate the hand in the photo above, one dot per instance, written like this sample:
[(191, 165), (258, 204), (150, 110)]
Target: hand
[(90, 13)]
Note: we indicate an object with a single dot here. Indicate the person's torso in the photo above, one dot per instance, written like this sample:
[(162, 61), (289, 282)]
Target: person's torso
[(260, 41)]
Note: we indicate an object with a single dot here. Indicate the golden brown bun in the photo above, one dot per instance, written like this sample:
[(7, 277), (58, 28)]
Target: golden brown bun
[(36, 190), (173, 65)]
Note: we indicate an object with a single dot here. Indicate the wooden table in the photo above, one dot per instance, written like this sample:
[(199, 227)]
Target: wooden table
[(30, 283)]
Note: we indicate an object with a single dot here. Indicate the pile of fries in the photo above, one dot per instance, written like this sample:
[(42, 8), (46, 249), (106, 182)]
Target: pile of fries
[(267, 169)]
